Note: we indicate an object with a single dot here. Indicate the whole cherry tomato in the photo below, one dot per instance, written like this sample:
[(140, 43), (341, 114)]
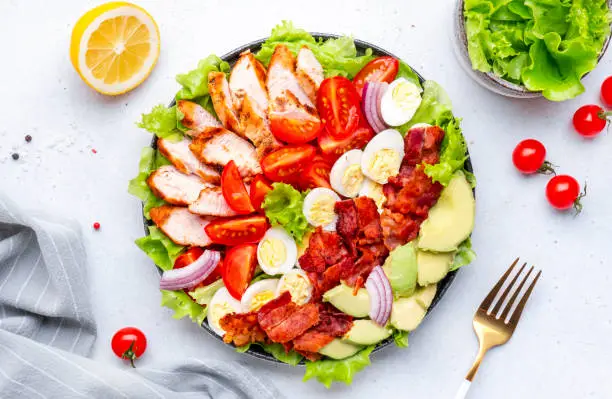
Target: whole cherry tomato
[(129, 343)]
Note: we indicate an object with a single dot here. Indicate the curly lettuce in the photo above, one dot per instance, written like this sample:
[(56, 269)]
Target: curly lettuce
[(183, 306), (464, 255), (277, 350), (283, 207), (400, 338), (150, 160), (545, 45), (329, 370)]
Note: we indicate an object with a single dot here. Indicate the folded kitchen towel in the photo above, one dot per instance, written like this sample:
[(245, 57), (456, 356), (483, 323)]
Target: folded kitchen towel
[(47, 327)]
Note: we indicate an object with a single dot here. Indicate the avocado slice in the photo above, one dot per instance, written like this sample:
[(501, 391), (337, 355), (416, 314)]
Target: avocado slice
[(424, 296), (407, 314), (339, 349), (451, 220), (432, 266), (367, 332), (341, 296)]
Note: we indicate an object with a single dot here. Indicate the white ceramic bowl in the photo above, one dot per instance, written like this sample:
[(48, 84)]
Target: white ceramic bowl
[(489, 80)]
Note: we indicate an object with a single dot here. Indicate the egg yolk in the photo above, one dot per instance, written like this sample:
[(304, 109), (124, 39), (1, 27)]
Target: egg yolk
[(322, 210), (260, 299), (376, 193), (298, 287), (218, 310), (384, 164), (404, 95), (272, 252), (352, 180)]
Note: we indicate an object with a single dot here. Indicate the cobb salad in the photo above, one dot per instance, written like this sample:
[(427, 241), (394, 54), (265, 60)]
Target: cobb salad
[(308, 200)]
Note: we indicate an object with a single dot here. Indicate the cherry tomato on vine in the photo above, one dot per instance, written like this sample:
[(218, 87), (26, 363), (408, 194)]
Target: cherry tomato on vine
[(529, 156), (129, 343), (590, 120), (606, 92), (563, 192)]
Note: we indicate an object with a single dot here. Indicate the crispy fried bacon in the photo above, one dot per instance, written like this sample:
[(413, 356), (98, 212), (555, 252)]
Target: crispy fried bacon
[(411, 193), (283, 320), (331, 325), (241, 329)]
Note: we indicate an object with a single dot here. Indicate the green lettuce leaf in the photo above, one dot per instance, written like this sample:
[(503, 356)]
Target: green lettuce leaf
[(159, 248), (195, 83), (162, 122), (401, 338), (203, 295), (183, 306), (150, 160), (337, 56), (276, 350), (283, 206), (545, 45), (328, 370), (407, 73), (464, 255), (452, 154), (401, 269)]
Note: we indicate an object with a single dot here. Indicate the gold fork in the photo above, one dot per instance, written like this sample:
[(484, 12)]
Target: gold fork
[(493, 328)]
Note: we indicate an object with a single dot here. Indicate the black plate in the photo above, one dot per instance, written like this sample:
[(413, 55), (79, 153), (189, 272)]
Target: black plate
[(255, 46)]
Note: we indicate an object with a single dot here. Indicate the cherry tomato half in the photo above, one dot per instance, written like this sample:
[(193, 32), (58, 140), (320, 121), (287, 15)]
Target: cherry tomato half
[(237, 230), (316, 174), (286, 163), (381, 69), (606, 92), (190, 256), (338, 105), (259, 188), (529, 156), (332, 148), (294, 127), (590, 120), (563, 192), (238, 268), (234, 191), (129, 343)]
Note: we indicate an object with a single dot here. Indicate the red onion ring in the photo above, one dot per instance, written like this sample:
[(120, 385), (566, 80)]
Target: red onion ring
[(381, 296), (371, 99), (192, 275)]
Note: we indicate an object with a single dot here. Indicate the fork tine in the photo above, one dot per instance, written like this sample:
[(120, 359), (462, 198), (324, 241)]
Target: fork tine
[(486, 304), (515, 295), (501, 300), (521, 305)]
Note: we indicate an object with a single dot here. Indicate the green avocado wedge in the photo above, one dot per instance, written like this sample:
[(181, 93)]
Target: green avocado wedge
[(341, 296), (425, 295), (340, 349), (367, 332), (433, 266), (407, 314), (451, 219)]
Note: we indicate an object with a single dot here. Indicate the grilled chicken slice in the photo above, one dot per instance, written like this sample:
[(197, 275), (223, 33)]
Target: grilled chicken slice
[(181, 156), (219, 146), (223, 101), (211, 202), (195, 117), (181, 226), (247, 84), (169, 184), (309, 72)]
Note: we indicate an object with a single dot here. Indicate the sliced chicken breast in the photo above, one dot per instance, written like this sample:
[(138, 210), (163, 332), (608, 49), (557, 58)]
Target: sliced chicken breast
[(282, 83), (181, 226), (309, 72), (211, 202), (181, 156), (219, 146), (257, 127), (169, 184), (248, 77), (223, 102), (195, 117)]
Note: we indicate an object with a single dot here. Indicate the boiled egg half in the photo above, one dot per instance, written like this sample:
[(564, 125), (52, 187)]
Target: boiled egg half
[(383, 155), (319, 208), (276, 252), (258, 294), (221, 304), (346, 176), (400, 102), (373, 190), (298, 284)]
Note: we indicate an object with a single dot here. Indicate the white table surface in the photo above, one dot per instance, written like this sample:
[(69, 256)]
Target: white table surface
[(562, 348)]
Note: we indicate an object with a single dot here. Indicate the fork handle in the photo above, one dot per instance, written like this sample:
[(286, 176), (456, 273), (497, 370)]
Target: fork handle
[(463, 389)]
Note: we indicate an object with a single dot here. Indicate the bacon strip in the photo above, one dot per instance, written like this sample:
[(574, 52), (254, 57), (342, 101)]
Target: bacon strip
[(241, 329), (283, 320)]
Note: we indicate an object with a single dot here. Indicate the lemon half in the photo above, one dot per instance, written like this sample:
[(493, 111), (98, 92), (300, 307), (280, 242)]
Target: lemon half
[(114, 47)]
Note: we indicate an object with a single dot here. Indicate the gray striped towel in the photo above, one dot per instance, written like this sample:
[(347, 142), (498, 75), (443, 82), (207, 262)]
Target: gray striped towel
[(47, 327)]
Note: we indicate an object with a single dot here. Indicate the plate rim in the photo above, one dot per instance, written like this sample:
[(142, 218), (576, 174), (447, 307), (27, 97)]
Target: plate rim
[(443, 286)]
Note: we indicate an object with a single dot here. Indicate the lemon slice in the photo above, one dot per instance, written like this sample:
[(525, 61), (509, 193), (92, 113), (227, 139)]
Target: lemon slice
[(114, 47)]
